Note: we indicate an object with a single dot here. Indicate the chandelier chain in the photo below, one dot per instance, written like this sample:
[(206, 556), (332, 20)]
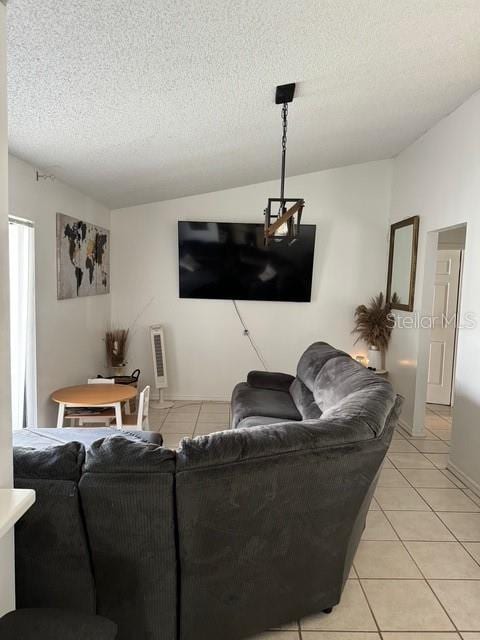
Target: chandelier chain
[(285, 124), (284, 154)]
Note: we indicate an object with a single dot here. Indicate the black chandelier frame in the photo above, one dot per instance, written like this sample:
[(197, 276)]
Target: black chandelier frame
[(280, 222)]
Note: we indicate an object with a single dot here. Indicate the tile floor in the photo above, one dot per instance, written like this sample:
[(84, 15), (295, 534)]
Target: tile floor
[(417, 570), (188, 419)]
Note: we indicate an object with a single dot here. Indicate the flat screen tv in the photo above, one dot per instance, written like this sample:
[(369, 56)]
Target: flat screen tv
[(228, 261)]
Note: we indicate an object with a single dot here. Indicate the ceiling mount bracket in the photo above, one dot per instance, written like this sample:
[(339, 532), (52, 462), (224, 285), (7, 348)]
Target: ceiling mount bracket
[(285, 93)]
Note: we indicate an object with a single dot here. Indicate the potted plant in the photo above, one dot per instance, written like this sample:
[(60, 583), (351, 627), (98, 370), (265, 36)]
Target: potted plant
[(374, 323), (116, 347)]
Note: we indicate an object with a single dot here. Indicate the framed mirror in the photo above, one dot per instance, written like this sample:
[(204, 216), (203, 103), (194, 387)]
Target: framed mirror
[(402, 263)]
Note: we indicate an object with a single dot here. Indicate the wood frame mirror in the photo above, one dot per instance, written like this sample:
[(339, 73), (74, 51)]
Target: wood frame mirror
[(402, 263)]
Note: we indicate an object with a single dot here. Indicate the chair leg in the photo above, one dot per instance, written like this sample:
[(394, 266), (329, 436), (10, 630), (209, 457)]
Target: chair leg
[(118, 416), (61, 415)]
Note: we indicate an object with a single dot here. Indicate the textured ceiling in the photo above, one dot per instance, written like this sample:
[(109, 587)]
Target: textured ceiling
[(136, 101)]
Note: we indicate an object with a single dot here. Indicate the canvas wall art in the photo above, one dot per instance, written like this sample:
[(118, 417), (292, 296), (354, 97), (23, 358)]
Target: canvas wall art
[(83, 258)]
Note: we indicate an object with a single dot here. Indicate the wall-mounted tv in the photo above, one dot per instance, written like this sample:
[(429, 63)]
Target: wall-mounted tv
[(228, 261)]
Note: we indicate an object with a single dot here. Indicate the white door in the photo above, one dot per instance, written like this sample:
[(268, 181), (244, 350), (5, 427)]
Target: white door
[(442, 341)]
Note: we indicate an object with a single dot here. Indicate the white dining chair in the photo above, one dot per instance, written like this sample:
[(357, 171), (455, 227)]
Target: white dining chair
[(139, 421)]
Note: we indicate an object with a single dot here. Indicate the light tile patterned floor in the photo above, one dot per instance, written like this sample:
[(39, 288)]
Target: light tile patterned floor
[(417, 570), (189, 419)]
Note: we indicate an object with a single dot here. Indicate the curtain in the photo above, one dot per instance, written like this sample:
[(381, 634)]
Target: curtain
[(22, 324)]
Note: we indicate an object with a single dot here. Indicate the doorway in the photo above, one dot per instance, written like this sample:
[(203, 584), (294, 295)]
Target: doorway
[(444, 331)]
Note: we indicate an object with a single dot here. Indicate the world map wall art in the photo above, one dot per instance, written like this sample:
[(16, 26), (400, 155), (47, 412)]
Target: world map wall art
[(83, 258)]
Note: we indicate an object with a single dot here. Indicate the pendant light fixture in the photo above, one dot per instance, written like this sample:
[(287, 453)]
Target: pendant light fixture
[(283, 223)]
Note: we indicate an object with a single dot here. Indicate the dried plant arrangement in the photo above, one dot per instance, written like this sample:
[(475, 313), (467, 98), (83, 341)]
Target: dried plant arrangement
[(374, 322), (116, 347)]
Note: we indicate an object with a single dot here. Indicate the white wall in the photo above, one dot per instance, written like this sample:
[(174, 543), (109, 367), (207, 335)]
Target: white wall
[(6, 543), (207, 353), (438, 178), (69, 332)]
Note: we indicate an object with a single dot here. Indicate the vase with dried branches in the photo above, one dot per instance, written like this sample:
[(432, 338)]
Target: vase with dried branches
[(116, 347), (374, 323)]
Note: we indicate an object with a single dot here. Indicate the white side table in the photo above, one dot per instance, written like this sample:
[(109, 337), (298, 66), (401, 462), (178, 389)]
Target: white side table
[(13, 504)]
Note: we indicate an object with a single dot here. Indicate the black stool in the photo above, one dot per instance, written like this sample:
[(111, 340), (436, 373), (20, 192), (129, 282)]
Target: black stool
[(55, 624)]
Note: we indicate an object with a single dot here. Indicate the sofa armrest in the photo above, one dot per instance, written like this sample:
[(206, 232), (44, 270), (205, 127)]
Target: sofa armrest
[(270, 380)]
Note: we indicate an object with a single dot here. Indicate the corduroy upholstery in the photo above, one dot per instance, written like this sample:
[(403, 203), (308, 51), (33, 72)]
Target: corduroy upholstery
[(236, 532), (41, 438), (326, 381), (52, 559), (55, 624), (271, 513), (127, 492)]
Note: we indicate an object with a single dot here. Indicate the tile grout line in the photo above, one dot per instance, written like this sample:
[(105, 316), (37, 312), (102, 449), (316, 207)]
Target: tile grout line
[(384, 512), (448, 419), (415, 488), (431, 510), (421, 579), (299, 630), (408, 436), (414, 561), (425, 469), (420, 570), (368, 603), (469, 552)]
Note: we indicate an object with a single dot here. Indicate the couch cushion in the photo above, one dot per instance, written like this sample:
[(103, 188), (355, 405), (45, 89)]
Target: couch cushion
[(33, 438), (51, 551), (249, 401), (41, 438), (270, 380), (133, 548), (304, 400), (347, 392), (313, 360), (51, 462), (256, 421), (117, 454)]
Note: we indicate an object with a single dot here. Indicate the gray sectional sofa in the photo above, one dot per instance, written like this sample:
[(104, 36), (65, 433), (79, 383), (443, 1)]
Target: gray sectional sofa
[(232, 534)]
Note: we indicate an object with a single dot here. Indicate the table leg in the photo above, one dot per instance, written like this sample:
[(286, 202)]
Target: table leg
[(118, 415), (61, 415)]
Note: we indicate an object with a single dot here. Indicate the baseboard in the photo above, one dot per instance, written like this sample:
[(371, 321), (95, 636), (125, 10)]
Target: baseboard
[(471, 484), (405, 426), (181, 398), (409, 429)]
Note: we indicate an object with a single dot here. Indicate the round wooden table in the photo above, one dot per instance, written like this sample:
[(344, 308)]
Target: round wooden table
[(93, 395)]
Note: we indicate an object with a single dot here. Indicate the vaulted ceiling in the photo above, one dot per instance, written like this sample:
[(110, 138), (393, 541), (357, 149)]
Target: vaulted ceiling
[(137, 101)]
